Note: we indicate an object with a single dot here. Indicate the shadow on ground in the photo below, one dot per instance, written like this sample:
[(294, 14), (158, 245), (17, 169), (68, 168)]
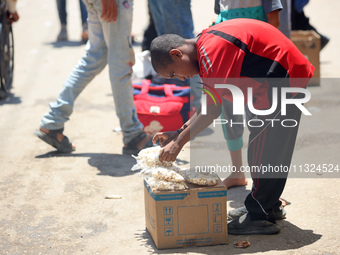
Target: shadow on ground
[(65, 44), (10, 99), (291, 237), (236, 196), (108, 164)]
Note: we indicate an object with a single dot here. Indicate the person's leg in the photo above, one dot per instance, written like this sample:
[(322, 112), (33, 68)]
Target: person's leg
[(268, 147), (61, 6), (83, 14), (150, 33), (172, 17), (233, 136), (121, 60), (175, 17), (285, 18), (91, 64), (301, 22), (271, 146)]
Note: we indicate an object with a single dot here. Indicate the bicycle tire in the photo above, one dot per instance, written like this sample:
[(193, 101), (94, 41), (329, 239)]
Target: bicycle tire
[(6, 56)]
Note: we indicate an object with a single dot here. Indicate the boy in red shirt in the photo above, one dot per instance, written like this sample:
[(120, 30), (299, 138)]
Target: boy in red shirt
[(245, 53)]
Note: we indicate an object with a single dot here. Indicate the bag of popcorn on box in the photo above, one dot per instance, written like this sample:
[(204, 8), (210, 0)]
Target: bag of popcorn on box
[(156, 184), (200, 178)]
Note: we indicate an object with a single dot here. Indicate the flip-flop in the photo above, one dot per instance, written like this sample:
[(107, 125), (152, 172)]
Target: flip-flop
[(131, 148), (64, 146), (284, 202)]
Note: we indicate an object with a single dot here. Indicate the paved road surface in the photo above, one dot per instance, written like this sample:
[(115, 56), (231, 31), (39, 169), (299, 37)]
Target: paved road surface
[(54, 204)]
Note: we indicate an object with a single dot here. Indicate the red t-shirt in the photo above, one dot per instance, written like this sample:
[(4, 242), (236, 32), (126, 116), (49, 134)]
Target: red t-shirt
[(250, 53)]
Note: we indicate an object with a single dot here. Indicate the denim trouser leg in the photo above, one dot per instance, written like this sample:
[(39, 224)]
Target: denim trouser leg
[(61, 5), (121, 57), (83, 12), (91, 64), (172, 17)]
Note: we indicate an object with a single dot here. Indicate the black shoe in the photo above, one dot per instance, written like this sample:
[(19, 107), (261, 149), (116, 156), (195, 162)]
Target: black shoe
[(245, 226), (279, 214), (324, 41), (131, 147)]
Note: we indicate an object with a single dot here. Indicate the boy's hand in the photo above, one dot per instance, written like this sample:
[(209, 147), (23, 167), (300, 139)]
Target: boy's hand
[(109, 10), (170, 152), (165, 137)]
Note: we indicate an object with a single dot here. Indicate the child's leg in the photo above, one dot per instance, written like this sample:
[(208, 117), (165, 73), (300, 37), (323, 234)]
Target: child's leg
[(238, 177), (233, 136)]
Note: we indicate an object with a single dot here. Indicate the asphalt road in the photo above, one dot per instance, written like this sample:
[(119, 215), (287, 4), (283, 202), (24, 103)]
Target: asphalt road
[(54, 203)]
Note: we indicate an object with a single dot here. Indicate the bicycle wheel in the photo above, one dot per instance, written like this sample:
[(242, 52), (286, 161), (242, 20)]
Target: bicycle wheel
[(6, 56)]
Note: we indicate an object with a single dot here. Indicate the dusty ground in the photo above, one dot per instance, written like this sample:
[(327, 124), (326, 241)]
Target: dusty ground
[(55, 204)]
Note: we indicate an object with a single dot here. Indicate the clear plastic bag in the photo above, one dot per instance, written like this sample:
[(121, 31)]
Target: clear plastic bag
[(200, 178), (164, 174), (156, 184), (149, 158)]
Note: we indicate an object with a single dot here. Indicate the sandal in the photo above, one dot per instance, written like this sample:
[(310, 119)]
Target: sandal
[(51, 138), (131, 148)]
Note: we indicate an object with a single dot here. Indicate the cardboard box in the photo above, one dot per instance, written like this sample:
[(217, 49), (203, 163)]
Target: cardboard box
[(193, 217), (309, 43)]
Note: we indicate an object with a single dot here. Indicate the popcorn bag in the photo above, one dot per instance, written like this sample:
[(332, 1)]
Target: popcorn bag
[(165, 175)]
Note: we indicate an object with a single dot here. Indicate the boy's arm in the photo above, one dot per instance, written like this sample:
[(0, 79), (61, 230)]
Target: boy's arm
[(165, 138), (272, 8), (193, 127), (273, 18)]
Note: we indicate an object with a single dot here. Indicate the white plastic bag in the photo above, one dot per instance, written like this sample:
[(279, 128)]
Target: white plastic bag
[(142, 67), (149, 158)]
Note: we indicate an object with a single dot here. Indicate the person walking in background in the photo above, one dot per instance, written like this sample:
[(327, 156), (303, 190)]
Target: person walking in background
[(110, 23), (301, 22), (150, 32), (175, 17), (63, 36)]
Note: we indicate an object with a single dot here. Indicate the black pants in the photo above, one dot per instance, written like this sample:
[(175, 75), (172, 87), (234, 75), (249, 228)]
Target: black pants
[(270, 149)]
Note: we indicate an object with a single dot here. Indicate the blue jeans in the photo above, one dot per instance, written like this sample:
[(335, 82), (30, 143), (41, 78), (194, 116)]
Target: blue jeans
[(61, 5), (174, 17), (109, 43)]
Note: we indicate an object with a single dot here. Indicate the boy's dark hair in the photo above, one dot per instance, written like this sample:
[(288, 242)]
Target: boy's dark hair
[(160, 50)]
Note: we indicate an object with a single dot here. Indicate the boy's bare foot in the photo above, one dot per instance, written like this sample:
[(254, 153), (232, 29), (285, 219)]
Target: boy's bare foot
[(235, 179)]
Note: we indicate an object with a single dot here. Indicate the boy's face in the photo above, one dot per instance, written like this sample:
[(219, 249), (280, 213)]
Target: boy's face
[(181, 67)]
